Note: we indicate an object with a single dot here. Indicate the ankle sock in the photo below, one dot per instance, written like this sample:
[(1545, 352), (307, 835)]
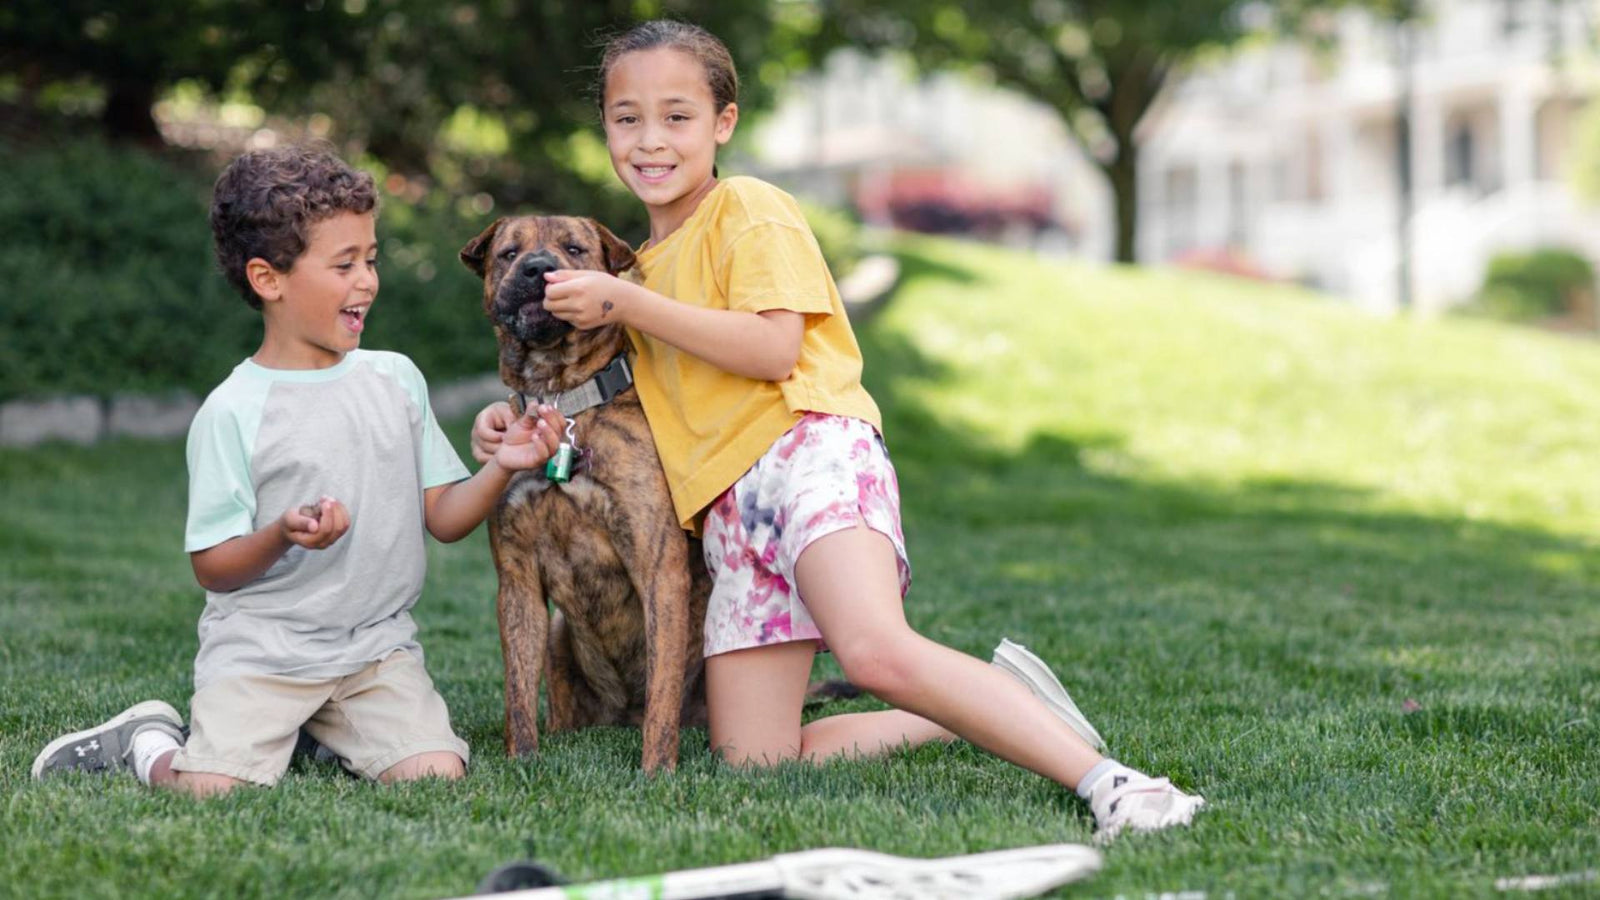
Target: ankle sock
[(1092, 778), (149, 745)]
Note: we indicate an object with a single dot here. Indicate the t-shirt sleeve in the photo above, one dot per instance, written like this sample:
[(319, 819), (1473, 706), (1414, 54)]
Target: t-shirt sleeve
[(222, 497), (440, 462), (776, 265)]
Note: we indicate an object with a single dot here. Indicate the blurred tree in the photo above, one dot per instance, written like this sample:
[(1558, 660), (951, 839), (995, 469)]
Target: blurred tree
[(499, 96), (134, 49), (1099, 63), (493, 95)]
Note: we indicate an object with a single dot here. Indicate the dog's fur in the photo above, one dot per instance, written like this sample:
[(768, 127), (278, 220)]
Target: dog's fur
[(605, 548)]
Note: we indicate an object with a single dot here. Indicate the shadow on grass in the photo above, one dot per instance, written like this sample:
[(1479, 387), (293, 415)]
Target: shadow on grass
[(962, 477)]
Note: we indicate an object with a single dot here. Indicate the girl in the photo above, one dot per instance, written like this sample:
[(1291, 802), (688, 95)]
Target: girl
[(750, 376)]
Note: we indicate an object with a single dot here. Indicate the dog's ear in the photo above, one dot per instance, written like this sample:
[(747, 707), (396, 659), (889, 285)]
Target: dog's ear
[(619, 256), (476, 253)]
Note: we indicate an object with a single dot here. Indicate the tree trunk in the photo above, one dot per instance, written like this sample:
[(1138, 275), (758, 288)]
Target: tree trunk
[(1123, 172), (127, 116), (1136, 79)]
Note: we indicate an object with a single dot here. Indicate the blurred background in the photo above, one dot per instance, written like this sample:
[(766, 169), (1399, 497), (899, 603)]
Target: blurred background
[(1395, 155)]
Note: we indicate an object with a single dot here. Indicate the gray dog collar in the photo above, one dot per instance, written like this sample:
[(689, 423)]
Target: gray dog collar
[(615, 378)]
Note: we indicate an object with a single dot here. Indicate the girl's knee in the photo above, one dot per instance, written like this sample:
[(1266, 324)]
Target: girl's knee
[(437, 764), (883, 665)]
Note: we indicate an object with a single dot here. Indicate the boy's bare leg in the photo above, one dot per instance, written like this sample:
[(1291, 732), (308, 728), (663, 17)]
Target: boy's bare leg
[(436, 764), (195, 784)]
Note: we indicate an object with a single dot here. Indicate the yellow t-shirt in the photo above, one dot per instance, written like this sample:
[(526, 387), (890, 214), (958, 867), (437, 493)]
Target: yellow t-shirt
[(745, 247)]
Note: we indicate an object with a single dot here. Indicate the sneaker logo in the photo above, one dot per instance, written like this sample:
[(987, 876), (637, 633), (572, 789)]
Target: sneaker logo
[(85, 749), (1118, 781)]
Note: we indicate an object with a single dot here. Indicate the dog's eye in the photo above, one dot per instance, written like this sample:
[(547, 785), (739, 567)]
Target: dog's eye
[(575, 250), (508, 254)]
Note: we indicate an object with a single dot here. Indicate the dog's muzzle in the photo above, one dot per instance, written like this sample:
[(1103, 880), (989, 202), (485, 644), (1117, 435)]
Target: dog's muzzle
[(519, 305)]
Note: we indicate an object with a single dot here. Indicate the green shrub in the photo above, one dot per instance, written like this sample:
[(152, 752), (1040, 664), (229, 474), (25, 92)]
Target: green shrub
[(111, 284), (1534, 285), (838, 235)]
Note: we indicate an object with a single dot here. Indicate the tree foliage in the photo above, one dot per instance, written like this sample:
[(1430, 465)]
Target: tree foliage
[(492, 95), (136, 48)]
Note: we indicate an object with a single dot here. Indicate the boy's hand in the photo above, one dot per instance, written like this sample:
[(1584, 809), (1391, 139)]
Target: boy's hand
[(530, 441), (315, 525), (586, 298), (488, 430)]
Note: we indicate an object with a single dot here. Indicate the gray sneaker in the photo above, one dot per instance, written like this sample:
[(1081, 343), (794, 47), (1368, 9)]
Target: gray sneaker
[(1018, 662), (108, 746), (309, 747)]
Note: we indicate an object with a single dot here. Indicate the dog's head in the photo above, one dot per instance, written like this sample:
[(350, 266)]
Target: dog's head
[(512, 257)]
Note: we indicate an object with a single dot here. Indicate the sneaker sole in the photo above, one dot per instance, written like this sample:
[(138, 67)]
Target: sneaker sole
[(137, 711), (1019, 662)]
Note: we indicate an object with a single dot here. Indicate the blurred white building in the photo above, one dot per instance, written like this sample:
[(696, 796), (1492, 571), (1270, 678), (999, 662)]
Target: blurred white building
[(864, 128), (1289, 158)]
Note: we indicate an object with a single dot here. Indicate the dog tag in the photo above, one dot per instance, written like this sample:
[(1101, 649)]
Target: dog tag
[(559, 467)]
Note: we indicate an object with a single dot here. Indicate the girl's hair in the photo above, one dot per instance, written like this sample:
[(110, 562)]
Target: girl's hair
[(691, 39)]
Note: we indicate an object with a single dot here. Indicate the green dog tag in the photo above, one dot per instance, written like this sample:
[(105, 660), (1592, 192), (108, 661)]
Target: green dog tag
[(559, 467)]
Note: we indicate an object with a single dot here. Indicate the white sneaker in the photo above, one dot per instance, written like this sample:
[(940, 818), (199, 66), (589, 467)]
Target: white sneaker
[(1137, 802), (1016, 660)]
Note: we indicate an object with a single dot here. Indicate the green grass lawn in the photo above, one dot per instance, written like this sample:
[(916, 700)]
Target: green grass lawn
[(1247, 525)]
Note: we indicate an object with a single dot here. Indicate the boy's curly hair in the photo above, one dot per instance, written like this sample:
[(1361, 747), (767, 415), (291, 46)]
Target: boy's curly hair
[(265, 202)]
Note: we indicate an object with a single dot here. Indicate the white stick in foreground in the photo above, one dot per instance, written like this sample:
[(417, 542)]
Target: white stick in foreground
[(842, 874)]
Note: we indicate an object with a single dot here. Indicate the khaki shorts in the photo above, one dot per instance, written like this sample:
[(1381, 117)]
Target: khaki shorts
[(246, 727)]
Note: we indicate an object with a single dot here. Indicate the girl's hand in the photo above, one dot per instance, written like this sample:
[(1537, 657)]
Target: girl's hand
[(530, 441), (586, 298), (315, 525), (488, 430)]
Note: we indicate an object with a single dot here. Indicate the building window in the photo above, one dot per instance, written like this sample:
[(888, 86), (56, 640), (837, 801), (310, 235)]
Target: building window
[(1182, 194), (1459, 156), (1238, 204), (1512, 18)]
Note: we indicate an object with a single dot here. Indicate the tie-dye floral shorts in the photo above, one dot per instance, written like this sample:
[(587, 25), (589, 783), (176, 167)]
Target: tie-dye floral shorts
[(825, 474)]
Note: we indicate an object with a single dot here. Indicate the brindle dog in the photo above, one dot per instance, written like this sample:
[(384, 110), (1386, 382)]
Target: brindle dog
[(628, 584)]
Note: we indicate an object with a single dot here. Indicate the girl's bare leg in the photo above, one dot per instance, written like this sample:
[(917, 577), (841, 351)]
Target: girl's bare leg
[(755, 696), (850, 583)]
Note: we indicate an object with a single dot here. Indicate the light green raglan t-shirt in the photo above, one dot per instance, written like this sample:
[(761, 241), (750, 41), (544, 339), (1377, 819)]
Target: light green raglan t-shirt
[(266, 440)]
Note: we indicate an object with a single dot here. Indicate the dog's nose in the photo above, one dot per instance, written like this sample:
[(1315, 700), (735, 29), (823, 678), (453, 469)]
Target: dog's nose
[(534, 265)]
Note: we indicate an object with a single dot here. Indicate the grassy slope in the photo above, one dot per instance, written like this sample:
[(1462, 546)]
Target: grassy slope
[(1246, 526)]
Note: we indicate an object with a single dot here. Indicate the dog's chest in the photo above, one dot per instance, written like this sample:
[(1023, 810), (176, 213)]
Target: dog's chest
[(527, 489)]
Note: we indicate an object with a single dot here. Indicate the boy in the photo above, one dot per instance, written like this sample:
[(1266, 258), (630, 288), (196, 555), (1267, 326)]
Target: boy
[(307, 619)]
